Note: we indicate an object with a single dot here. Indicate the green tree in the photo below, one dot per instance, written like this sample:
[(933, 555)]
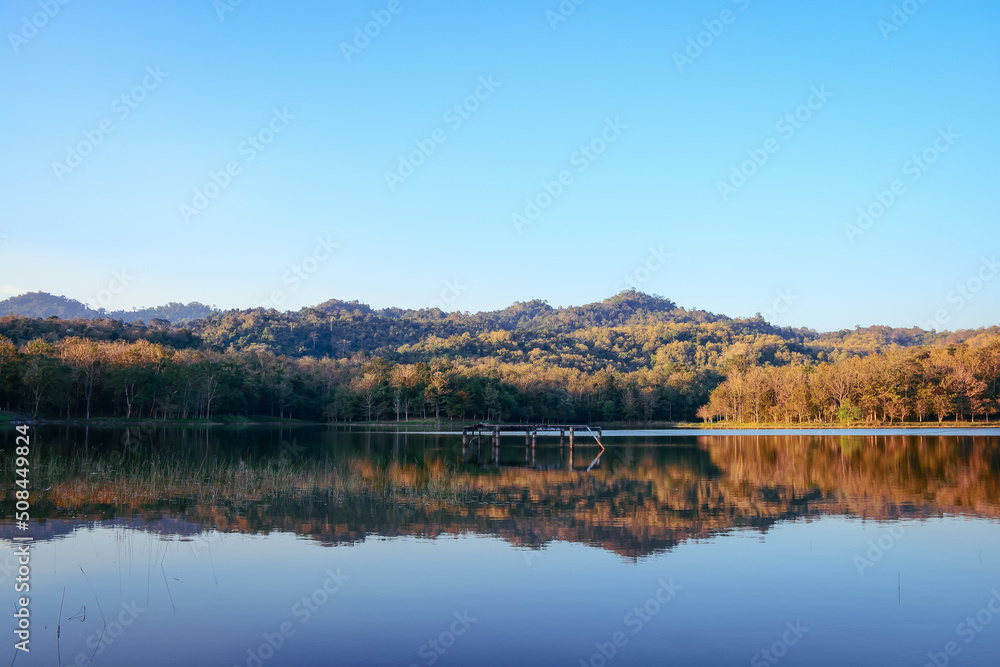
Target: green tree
[(848, 412)]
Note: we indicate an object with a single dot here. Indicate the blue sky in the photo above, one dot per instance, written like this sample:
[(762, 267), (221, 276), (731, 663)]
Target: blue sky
[(832, 99)]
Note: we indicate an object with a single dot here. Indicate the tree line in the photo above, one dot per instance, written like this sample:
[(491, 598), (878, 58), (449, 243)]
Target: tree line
[(80, 377), (632, 357), (956, 382)]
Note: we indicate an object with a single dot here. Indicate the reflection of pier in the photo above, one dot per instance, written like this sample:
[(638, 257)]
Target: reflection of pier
[(477, 433)]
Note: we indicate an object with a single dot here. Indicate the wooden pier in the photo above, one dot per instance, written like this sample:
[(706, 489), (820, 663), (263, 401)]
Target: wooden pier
[(478, 433), (531, 432)]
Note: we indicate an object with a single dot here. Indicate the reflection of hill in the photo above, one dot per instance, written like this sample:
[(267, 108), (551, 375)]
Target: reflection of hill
[(53, 529), (641, 501)]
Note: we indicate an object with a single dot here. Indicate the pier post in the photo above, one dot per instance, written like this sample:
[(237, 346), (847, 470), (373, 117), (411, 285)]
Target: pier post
[(571, 431)]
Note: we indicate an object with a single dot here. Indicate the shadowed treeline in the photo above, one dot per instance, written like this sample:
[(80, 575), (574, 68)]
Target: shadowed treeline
[(340, 487)]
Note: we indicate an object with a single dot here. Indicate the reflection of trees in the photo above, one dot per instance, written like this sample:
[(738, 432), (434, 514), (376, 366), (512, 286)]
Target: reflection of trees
[(643, 499), (875, 476)]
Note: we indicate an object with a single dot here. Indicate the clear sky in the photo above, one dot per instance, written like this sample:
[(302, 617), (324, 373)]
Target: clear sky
[(716, 153)]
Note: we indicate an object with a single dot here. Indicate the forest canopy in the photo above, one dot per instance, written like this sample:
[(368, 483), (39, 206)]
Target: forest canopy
[(633, 357)]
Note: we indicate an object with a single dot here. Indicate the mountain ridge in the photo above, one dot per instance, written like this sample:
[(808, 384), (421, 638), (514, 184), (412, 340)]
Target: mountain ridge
[(617, 310), (43, 305)]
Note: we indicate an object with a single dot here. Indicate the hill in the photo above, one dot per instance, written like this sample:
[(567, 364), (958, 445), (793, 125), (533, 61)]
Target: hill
[(43, 305), (632, 356)]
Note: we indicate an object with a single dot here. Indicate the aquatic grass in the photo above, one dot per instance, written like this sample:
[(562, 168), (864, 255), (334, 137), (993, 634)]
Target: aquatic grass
[(70, 482)]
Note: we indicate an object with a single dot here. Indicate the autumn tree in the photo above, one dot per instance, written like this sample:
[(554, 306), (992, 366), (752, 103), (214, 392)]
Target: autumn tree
[(41, 370), (404, 379), (88, 359), (438, 387)]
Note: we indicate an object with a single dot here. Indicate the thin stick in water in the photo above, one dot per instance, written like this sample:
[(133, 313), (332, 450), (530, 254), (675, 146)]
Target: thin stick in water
[(100, 640), (59, 628), (212, 563), (169, 594), (149, 568)]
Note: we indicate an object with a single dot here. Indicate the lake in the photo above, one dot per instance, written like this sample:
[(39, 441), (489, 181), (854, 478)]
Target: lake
[(315, 545)]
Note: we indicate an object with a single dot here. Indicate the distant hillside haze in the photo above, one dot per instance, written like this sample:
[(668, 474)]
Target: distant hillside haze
[(44, 305)]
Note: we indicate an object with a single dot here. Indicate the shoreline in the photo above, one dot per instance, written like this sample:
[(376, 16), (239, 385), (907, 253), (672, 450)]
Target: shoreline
[(257, 420)]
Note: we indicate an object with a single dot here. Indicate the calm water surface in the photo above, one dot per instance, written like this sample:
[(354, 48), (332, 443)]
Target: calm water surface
[(296, 546)]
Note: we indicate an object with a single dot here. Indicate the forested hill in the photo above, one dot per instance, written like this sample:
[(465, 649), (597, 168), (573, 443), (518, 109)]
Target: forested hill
[(43, 305), (631, 356), (626, 332), (626, 308)]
